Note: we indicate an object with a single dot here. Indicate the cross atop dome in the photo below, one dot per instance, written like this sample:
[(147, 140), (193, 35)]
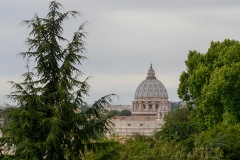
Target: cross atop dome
[(151, 73)]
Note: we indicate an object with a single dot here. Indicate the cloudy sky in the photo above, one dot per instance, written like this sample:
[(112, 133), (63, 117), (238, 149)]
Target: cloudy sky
[(125, 36)]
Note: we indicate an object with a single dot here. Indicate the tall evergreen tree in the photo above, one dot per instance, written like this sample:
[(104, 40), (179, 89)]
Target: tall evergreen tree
[(48, 122)]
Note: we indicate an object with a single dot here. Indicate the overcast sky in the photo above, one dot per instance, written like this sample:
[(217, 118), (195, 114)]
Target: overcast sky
[(125, 36)]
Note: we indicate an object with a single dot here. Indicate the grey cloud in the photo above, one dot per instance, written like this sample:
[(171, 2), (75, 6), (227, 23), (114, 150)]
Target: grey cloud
[(157, 4), (125, 36)]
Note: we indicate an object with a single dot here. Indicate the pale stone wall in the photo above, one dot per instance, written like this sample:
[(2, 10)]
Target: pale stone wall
[(148, 116), (131, 126)]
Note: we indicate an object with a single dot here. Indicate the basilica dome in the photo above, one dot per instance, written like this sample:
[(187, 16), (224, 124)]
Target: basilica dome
[(151, 87)]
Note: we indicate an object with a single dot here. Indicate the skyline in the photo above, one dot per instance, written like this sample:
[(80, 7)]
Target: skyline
[(124, 38)]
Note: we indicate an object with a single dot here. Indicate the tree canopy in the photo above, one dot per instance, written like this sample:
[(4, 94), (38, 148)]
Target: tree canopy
[(125, 112), (211, 83), (177, 126), (48, 122)]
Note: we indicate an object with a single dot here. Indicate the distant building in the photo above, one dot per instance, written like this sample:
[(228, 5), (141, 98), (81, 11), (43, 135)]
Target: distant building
[(149, 107), (119, 107)]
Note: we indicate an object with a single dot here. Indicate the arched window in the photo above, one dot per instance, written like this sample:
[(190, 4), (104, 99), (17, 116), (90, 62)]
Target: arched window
[(144, 106), (150, 106)]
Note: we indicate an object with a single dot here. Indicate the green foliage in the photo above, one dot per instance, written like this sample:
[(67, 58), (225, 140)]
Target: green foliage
[(178, 131), (177, 126), (125, 112), (138, 148), (1, 113), (175, 105), (113, 113), (48, 122), (211, 84), (168, 150), (222, 137), (112, 152), (149, 148), (177, 115), (205, 153)]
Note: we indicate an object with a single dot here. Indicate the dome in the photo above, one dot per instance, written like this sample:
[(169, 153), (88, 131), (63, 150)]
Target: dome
[(151, 87)]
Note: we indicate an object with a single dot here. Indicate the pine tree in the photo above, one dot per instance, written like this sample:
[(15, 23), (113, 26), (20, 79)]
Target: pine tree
[(48, 122)]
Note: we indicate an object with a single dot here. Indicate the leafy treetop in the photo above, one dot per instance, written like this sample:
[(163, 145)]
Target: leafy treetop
[(211, 84)]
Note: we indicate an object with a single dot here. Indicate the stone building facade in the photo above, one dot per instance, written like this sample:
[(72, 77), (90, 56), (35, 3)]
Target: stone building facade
[(149, 107)]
